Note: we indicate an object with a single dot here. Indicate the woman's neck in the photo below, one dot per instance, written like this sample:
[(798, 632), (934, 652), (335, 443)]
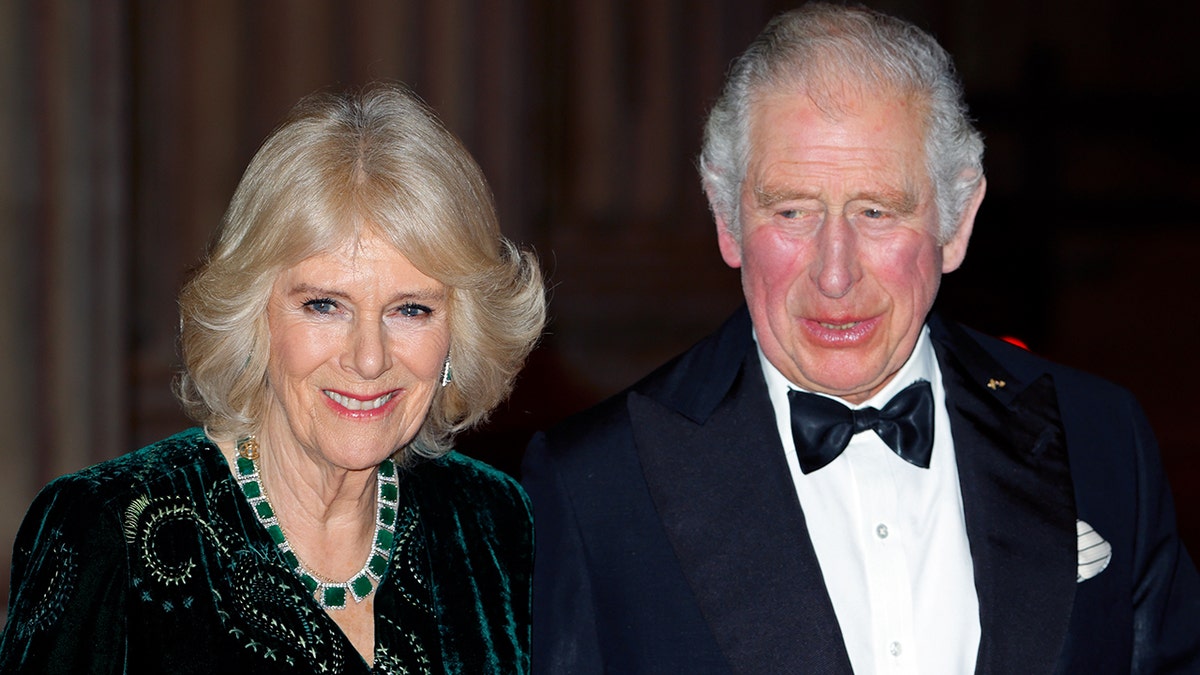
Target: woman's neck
[(327, 513)]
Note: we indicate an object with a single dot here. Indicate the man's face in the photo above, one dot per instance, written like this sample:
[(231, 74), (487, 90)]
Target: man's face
[(839, 252)]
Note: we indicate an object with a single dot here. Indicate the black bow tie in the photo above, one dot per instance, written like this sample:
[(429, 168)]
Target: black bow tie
[(822, 427)]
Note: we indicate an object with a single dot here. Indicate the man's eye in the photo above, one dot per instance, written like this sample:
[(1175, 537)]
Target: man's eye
[(413, 309), (321, 305), (790, 214), (873, 213)]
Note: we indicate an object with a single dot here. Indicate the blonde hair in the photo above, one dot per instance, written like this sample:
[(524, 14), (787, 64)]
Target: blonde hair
[(381, 160)]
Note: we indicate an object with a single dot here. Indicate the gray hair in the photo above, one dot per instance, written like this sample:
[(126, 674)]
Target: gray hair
[(822, 49)]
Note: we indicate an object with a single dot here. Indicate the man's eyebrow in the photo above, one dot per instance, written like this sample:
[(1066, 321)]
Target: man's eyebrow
[(765, 197), (898, 201)]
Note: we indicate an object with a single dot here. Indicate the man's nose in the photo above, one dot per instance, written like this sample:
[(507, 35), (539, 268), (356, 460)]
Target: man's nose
[(836, 268)]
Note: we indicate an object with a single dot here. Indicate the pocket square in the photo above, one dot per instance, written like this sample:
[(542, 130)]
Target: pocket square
[(1094, 552)]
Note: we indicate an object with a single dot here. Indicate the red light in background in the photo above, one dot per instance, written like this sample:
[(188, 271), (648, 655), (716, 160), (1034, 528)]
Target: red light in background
[(1015, 341)]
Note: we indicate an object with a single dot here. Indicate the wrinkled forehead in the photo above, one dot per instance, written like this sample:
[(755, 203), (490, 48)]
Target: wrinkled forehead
[(869, 147)]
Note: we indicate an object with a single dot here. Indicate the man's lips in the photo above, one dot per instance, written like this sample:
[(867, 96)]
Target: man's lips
[(839, 326), (839, 331)]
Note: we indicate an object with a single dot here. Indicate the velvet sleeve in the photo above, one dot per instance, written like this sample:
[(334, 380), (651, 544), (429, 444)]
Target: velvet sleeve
[(498, 538), (480, 534), (66, 611)]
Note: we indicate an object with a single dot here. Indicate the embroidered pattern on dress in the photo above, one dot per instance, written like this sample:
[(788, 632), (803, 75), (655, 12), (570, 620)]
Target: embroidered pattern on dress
[(408, 656), (275, 622), (387, 663), (260, 608), (411, 553), (192, 550), (145, 518), (59, 574)]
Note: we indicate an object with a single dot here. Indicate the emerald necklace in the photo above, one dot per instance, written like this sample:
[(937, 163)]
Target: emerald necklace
[(328, 594)]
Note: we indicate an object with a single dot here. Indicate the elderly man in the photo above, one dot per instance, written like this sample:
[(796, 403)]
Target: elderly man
[(837, 481)]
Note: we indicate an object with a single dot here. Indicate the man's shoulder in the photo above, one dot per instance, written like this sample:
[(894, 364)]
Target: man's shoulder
[(691, 383), (974, 348)]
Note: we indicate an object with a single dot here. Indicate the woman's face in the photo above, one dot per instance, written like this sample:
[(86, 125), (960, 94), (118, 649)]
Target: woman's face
[(358, 338)]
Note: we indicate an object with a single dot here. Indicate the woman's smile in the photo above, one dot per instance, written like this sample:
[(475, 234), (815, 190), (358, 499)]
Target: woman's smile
[(358, 339)]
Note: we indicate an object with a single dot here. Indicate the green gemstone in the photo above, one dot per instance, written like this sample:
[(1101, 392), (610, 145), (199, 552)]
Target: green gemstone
[(291, 559), (264, 510), (383, 540), (388, 469), (387, 516), (361, 586), (276, 533), (378, 565), (389, 492), (335, 597), (252, 490), (309, 582), (244, 466)]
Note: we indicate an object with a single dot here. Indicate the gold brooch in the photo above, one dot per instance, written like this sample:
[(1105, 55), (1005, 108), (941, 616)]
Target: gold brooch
[(247, 448)]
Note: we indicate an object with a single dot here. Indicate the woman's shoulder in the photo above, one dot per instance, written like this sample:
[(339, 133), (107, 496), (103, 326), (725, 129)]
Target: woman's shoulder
[(90, 505), (140, 470), (457, 467), (457, 477)]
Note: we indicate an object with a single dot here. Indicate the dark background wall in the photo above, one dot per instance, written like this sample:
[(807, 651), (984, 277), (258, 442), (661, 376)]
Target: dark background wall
[(125, 124)]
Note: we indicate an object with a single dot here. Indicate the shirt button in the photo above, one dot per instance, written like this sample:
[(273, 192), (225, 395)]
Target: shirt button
[(894, 649), (881, 531)]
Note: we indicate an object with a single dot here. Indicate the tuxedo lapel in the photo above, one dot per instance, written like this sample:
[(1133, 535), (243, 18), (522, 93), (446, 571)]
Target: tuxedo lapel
[(722, 488), (715, 469), (1018, 503)]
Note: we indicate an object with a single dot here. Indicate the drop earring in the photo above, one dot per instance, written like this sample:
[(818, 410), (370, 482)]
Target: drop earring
[(447, 372)]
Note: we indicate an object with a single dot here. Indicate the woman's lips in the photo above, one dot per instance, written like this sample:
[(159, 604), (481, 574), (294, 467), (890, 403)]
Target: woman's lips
[(355, 404)]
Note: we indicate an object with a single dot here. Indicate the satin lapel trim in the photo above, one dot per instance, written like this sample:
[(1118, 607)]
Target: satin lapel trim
[(728, 506), (1019, 506)]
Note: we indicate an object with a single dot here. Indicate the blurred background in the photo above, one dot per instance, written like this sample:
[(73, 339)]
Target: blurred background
[(125, 124)]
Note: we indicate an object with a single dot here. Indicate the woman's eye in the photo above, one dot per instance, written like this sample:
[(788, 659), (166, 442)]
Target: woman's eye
[(413, 310), (321, 305)]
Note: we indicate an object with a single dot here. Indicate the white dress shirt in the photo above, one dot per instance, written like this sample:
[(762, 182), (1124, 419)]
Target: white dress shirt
[(891, 538)]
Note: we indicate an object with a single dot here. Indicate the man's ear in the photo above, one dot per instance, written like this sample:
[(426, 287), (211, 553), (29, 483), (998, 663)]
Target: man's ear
[(731, 246), (955, 250)]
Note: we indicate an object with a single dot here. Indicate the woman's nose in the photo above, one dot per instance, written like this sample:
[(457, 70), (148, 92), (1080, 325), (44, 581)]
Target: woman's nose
[(368, 353)]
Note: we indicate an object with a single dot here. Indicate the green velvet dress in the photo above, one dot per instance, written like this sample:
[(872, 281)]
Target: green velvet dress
[(154, 563)]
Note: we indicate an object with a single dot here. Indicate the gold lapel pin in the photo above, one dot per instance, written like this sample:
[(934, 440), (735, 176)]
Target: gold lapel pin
[(995, 384)]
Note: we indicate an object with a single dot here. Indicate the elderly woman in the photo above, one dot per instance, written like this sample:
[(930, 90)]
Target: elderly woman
[(358, 308)]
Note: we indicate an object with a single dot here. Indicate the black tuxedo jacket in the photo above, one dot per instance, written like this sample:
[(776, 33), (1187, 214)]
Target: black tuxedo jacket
[(670, 539)]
